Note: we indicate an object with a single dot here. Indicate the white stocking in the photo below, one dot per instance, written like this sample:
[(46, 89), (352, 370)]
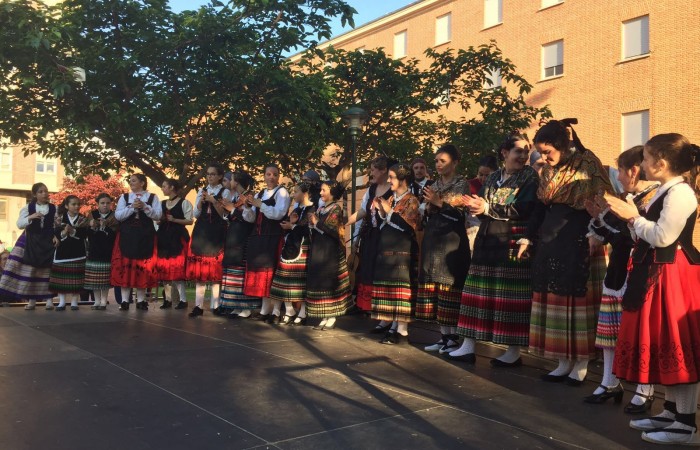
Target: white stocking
[(563, 368), (302, 311), (468, 347), (199, 290), (140, 295), (643, 392), (511, 355), (266, 306), (215, 300), (180, 285), (61, 300)]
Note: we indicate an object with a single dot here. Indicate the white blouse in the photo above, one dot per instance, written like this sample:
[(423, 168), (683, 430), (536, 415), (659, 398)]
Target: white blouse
[(23, 221), (211, 190), (679, 204), (277, 212), (123, 211)]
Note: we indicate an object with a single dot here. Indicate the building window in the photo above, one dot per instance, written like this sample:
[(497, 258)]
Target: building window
[(47, 166), (443, 29), (494, 79), (400, 44), (493, 12), (635, 37), (548, 3), (553, 59), (5, 159), (3, 209), (635, 129)]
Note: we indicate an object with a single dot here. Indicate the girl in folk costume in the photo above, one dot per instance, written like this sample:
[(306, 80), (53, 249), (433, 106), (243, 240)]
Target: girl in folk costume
[(659, 339), (445, 250), (68, 269), (608, 228), (289, 282), (497, 294), (207, 245), (134, 255), (396, 266), (369, 233), (26, 274), (564, 302), (328, 283), (266, 211), (101, 234), (233, 300), (173, 243)]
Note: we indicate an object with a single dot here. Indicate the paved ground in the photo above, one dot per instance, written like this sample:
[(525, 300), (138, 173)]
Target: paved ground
[(159, 380)]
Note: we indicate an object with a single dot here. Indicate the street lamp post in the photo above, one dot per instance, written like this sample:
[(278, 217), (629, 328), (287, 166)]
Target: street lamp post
[(354, 118)]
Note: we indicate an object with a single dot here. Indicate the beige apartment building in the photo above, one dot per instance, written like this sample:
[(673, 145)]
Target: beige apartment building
[(627, 69)]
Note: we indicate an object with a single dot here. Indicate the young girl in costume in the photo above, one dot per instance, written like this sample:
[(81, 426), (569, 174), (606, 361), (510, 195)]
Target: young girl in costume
[(101, 235)]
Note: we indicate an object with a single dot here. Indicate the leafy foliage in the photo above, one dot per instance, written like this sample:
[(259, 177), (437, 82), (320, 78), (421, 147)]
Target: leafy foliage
[(88, 188), (166, 93)]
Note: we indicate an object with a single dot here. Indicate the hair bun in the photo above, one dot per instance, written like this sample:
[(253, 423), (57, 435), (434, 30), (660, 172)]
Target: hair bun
[(695, 152)]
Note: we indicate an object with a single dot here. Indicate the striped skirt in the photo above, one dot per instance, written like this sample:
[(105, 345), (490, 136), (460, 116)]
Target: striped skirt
[(289, 282), (609, 319), (496, 304), (67, 277), (21, 282), (97, 274), (231, 295), (437, 302), (392, 301), (331, 303)]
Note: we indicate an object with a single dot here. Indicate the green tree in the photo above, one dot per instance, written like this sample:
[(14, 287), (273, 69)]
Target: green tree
[(165, 92), (406, 100)]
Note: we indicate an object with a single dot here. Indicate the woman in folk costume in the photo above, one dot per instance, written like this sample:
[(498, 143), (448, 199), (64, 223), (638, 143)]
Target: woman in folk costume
[(266, 210), (328, 281), (445, 251), (396, 265), (609, 229), (369, 233), (26, 274), (233, 301), (101, 234), (564, 302), (134, 255), (173, 243), (497, 294), (289, 282), (68, 268), (204, 261), (659, 339)]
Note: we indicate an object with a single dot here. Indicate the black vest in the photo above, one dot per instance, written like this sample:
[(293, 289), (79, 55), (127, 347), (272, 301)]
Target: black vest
[(209, 232), (644, 256)]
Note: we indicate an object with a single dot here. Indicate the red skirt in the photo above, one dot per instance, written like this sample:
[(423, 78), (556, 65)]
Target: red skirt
[(364, 296), (258, 280), (173, 269), (133, 273), (660, 343), (204, 269)]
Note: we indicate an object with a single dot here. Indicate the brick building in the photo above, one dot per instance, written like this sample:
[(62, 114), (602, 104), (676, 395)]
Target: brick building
[(627, 69)]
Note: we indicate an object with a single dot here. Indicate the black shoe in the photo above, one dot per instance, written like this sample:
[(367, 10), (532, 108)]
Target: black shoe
[(166, 304), (232, 315), (272, 319), (143, 306), (469, 358), (287, 320), (380, 329), (391, 338), (299, 322), (498, 363), (631, 408), (124, 306), (181, 305), (218, 311), (610, 392), (553, 378), (260, 317), (574, 382), (196, 311)]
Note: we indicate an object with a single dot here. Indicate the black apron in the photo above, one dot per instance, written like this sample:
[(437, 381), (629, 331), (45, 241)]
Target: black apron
[(265, 238), (209, 232), (137, 233), (39, 249), (171, 235)]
